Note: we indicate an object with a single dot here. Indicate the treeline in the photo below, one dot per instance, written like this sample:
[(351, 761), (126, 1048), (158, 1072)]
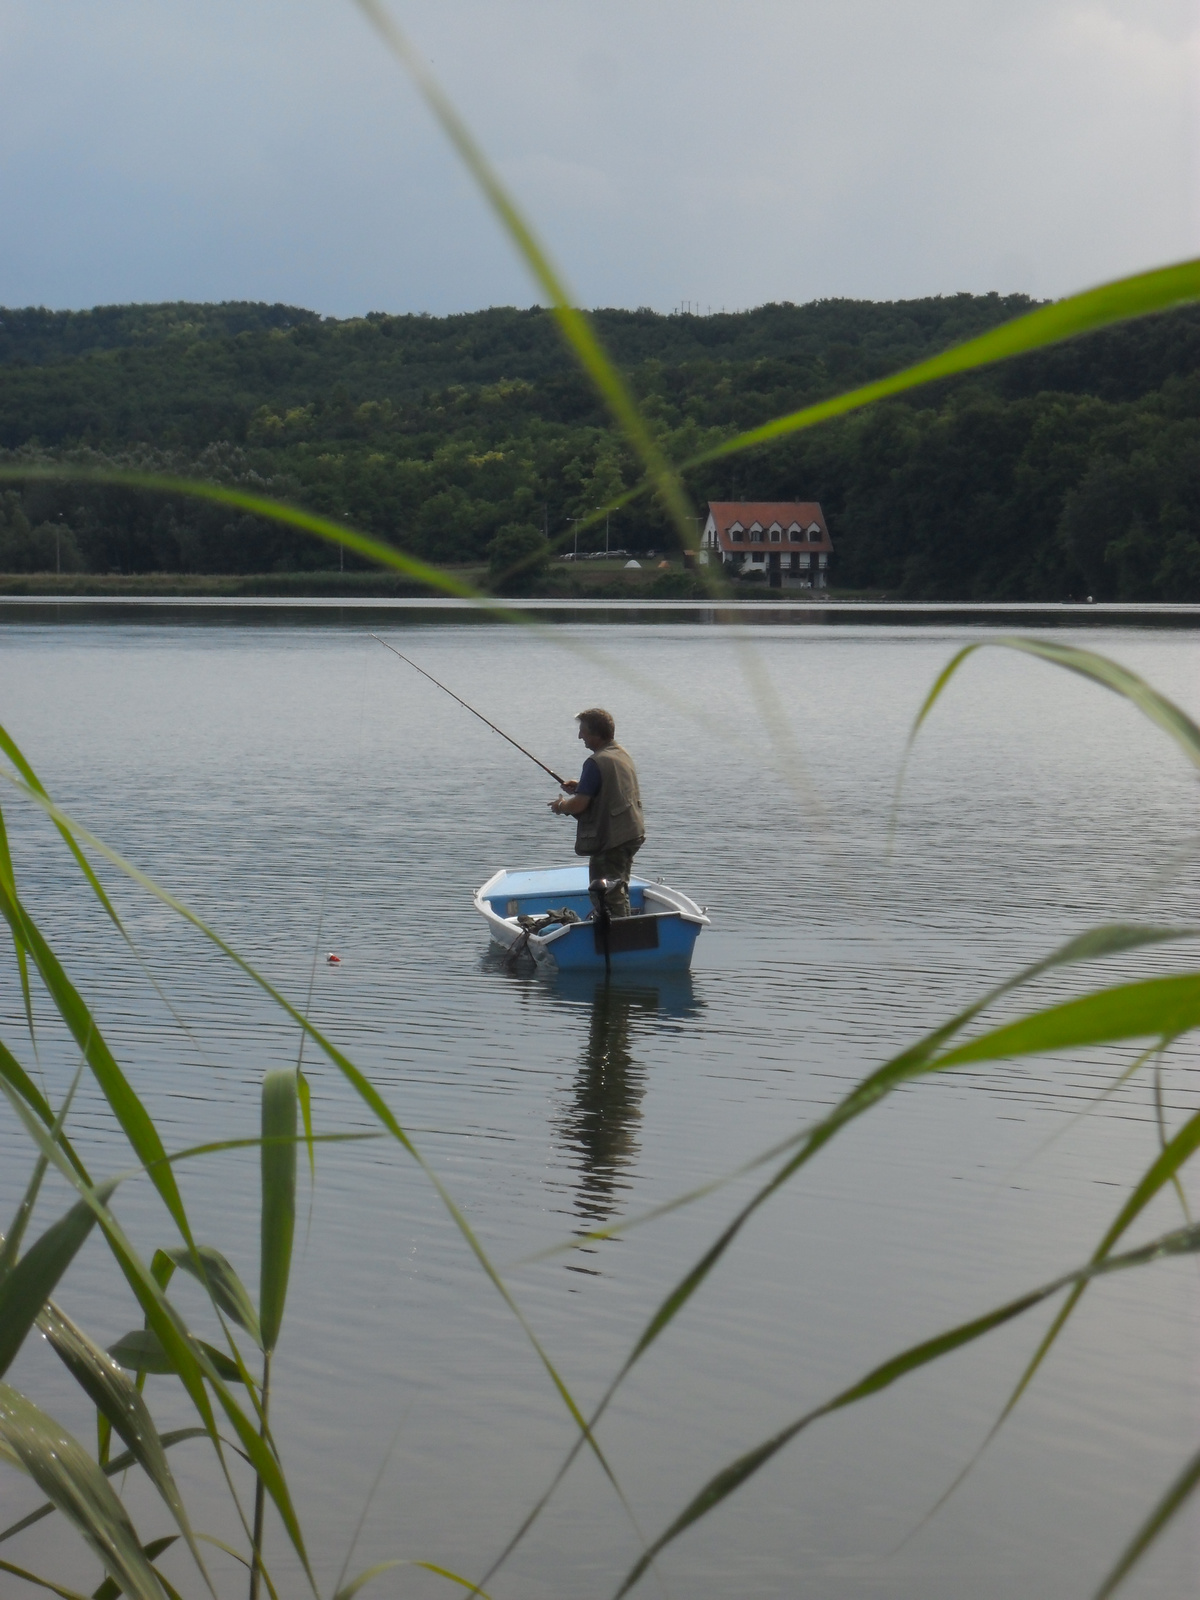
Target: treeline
[(1071, 471)]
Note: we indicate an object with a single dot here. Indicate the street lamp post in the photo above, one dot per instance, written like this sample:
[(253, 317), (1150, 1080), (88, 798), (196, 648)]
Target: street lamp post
[(577, 521)]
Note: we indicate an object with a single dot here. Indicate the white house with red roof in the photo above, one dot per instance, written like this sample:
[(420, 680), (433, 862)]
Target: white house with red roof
[(786, 540)]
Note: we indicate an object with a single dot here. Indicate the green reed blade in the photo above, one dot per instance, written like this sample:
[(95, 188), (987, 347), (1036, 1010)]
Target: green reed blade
[(365, 1090), (574, 326), (1180, 1241), (305, 1093), (131, 1114), (279, 1108), (222, 1282), (1175, 1497), (69, 1477), (11, 1243), (42, 1583), (1121, 300), (110, 1589), (110, 1469), (1087, 664), (325, 528), (16, 756), (1161, 1171), (189, 1357), (27, 1287), (8, 878), (912, 1063), (18, 1080), (13, 751), (111, 1392), (1160, 1008), (349, 1590), (141, 1350)]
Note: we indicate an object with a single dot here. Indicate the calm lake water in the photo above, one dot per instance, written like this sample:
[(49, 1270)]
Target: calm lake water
[(306, 792)]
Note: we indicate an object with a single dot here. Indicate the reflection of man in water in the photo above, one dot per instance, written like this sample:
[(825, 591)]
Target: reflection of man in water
[(601, 1123), (607, 806)]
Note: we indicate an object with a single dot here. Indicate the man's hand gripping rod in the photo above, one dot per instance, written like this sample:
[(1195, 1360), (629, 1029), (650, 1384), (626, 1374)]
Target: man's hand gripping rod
[(561, 782)]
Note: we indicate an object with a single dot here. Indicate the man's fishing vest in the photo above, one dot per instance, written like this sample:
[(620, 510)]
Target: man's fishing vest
[(614, 816)]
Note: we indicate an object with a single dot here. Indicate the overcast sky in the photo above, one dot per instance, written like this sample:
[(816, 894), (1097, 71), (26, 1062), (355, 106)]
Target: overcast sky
[(668, 150)]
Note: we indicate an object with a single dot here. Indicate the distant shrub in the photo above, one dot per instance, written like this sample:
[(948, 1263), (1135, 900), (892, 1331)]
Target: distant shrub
[(517, 558)]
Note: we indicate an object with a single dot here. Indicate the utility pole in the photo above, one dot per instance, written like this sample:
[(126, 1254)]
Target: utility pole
[(577, 521), (57, 550)]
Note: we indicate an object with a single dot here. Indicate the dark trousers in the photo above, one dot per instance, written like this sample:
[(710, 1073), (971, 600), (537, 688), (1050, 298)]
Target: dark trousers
[(615, 865)]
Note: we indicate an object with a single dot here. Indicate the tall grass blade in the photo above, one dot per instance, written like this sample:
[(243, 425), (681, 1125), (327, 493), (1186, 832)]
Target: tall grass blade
[(1088, 664), (304, 1092), (41, 1583), (27, 1287), (111, 1392), (1176, 1496), (110, 1469), (211, 1268), (141, 1350), (279, 1108), (13, 751), (915, 1062), (362, 1087), (1161, 1008), (9, 880), (1181, 1241), (573, 324), (14, 1075), (69, 1477), (1122, 299), (110, 1589), (131, 1114), (349, 1590), (190, 1361), (11, 1243)]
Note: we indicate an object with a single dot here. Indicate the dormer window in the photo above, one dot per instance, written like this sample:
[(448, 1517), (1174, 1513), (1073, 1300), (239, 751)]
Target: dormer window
[(795, 532), (776, 533), (756, 532), (814, 530)]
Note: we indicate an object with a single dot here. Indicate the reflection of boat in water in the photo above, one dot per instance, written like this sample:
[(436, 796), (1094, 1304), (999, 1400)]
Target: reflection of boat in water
[(599, 1127), (549, 914)]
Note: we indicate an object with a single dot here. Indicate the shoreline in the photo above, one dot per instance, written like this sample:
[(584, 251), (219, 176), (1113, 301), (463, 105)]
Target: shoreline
[(814, 608)]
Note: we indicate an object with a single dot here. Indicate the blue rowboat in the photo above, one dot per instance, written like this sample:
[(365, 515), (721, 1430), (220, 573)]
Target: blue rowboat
[(661, 934)]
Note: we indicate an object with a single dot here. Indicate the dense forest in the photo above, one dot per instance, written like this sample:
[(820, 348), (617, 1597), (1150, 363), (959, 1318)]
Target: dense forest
[(1071, 471)]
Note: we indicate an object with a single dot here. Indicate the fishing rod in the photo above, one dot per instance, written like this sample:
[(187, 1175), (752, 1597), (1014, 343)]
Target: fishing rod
[(562, 782)]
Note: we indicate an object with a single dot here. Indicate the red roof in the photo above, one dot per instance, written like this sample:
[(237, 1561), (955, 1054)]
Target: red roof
[(785, 512)]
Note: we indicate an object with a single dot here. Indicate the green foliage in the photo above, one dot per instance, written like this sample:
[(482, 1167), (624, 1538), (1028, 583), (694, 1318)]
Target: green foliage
[(1067, 472), (517, 558), (279, 1117)]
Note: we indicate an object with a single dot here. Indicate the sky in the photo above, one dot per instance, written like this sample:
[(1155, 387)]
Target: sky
[(667, 151)]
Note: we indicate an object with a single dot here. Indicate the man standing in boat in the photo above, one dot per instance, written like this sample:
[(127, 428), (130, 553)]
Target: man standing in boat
[(607, 806)]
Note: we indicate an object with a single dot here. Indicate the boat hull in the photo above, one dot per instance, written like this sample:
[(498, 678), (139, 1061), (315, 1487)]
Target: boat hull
[(660, 936)]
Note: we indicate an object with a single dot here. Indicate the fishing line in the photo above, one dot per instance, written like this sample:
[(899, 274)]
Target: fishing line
[(562, 782)]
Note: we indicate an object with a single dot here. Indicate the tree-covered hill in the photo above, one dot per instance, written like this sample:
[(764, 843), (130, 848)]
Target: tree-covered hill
[(1073, 470)]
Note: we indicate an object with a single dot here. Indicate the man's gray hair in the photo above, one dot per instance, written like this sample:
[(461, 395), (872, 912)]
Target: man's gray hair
[(597, 722)]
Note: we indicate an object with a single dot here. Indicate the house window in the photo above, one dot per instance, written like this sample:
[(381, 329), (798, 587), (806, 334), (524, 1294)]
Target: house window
[(756, 532), (795, 532), (776, 534), (737, 534)]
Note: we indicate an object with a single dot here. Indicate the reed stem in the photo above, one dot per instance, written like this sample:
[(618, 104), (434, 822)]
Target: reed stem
[(260, 1497)]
